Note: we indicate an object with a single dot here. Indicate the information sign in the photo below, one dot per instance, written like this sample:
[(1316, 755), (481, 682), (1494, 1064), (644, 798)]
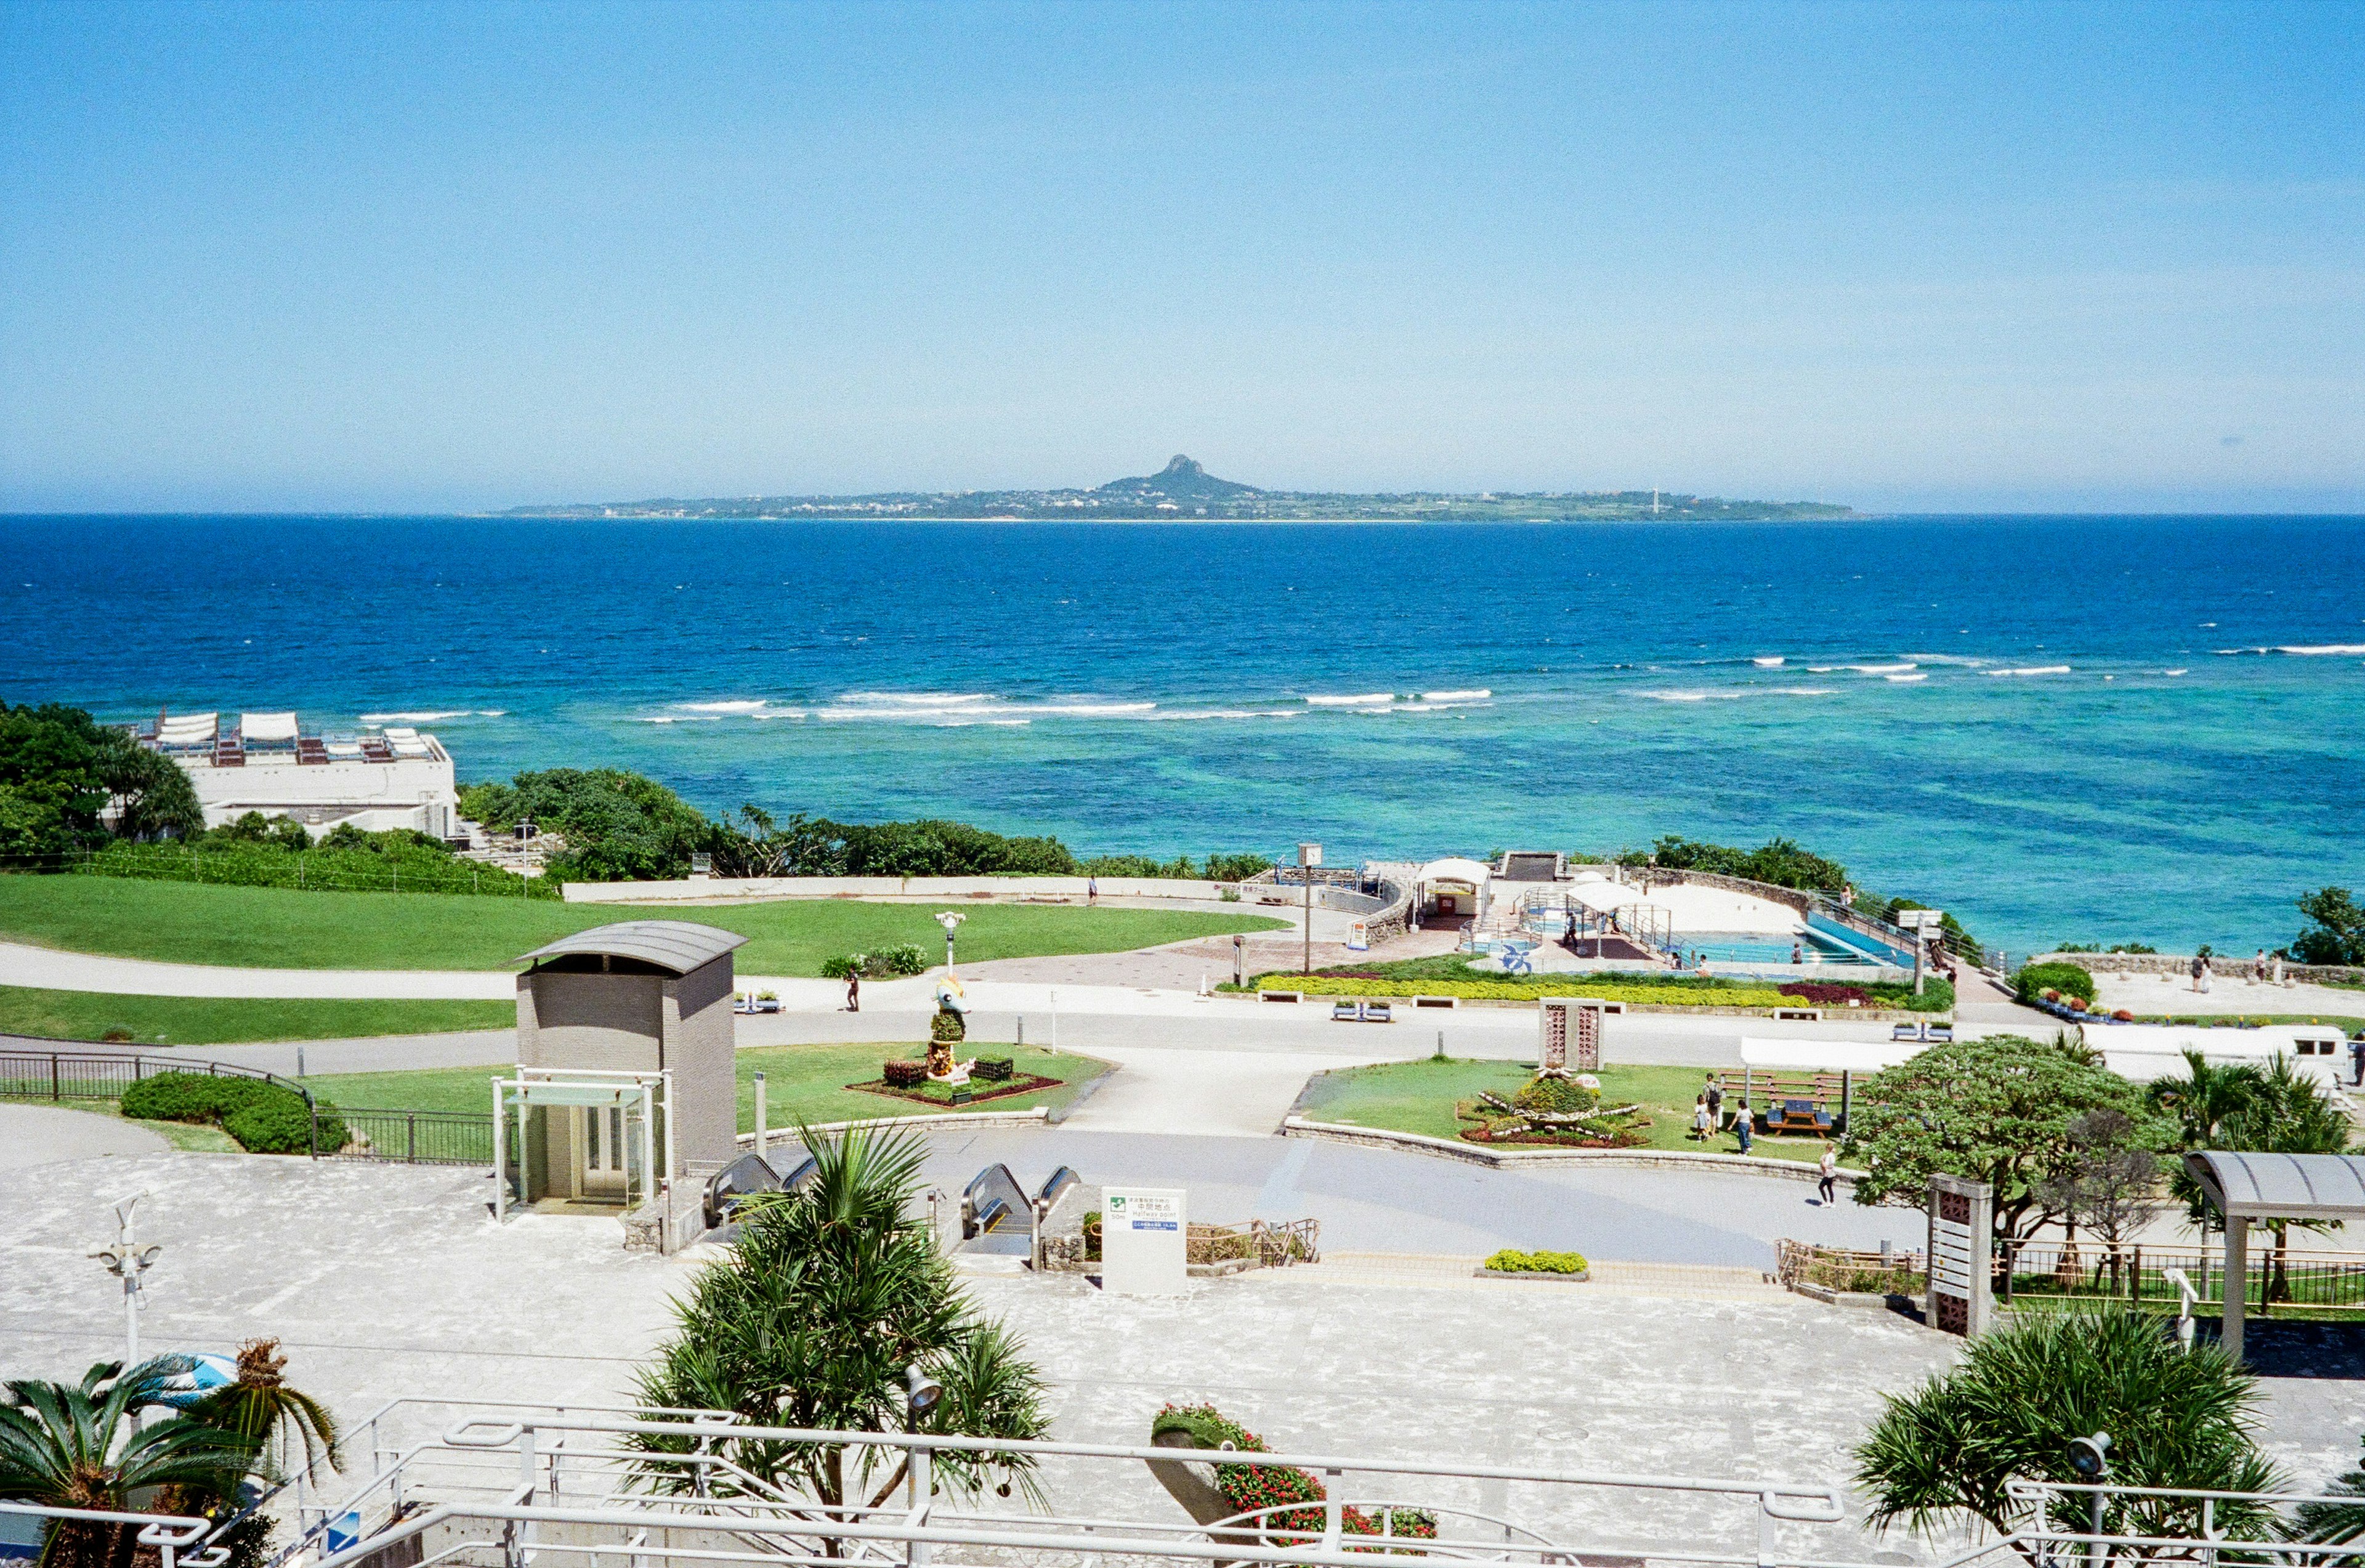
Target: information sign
[(1145, 1237)]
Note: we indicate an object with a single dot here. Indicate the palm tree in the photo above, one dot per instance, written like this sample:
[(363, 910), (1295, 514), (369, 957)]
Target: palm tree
[(272, 1419), (2335, 1523), (71, 1446), (2286, 1111), (830, 1294), (1947, 1453)]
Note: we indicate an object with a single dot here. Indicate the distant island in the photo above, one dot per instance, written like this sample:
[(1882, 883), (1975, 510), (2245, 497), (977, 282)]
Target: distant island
[(1184, 490)]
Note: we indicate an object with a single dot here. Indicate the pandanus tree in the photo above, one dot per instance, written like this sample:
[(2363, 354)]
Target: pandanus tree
[(812, 1320), (273, 1420), (73, 1446), (1946, 1454)]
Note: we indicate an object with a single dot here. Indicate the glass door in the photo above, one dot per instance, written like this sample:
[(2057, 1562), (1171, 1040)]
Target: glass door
[(606, 1148)]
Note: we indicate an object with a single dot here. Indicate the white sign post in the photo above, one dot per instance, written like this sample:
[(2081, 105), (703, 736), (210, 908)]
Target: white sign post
[(1144, 1237)]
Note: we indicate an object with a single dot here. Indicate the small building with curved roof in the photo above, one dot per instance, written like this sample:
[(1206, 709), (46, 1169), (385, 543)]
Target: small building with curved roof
[(1453, 887), (626, 1077)]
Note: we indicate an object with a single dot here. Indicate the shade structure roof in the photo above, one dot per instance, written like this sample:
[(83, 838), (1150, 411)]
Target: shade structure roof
[(267, 727), (677, 945), (1454, 868), (2244, 1185)]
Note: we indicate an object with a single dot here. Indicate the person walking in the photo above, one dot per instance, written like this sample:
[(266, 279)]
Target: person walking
[(1699, 1118), (1092, 891), (2258, 969), (854, 993), (2356, 1056), (1715, 1096), (2199, 964), (1741, 1129), (2206, 976), (1827, 1175), (2279, 970)]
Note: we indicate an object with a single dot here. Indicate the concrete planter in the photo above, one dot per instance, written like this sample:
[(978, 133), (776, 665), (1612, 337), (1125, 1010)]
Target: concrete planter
[(1577, 1279)]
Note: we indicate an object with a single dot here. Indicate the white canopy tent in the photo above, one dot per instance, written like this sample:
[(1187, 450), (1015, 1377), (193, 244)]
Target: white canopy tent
[(267, 729), (188, 730)]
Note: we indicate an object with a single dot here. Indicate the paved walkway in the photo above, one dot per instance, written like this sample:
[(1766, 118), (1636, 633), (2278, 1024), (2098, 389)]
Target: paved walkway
[(43, 1134), (51, 968), (2232, 993)]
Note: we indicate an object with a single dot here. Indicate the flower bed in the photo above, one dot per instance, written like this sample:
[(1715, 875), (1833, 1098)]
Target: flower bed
[(1511, 1260), (929, 1092)]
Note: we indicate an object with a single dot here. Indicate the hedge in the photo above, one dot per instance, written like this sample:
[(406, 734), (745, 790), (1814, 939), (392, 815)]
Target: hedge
[(1510, 1260), (264, 1117), (422, 869), (2034, 980)]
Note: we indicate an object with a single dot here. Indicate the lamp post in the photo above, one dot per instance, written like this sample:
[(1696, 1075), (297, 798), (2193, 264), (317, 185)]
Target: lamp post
[(127, 1260), (2090, 1460), (1309, 855), (950, 920)]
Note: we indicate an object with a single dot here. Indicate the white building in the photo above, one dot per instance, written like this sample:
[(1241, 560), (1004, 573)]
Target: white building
[(397, 779)]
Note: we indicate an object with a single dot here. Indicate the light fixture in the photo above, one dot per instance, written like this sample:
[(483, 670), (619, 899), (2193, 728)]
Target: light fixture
[(921, 1392)]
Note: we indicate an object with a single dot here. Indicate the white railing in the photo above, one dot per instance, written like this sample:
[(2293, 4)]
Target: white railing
[(511, 1489)]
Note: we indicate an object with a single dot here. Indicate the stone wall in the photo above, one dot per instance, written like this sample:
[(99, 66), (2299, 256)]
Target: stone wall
[(2220, 964)]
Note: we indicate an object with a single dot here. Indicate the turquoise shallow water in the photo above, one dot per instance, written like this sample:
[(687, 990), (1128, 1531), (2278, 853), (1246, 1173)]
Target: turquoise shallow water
[(2107, 729)]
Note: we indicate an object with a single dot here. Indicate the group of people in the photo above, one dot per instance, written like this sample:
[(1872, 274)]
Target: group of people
[(1707, 1119), (2264, 970)]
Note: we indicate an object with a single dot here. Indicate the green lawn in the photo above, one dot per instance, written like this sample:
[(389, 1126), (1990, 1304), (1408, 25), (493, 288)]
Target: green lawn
[(215, 1021), (2220, 1020), (280, 928), (1419, 1097), (801, 1084)]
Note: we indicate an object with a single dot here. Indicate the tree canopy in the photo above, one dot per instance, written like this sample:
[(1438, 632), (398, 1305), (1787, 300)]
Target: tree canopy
[(2004, 1110), (62, 772), (2336, 931)]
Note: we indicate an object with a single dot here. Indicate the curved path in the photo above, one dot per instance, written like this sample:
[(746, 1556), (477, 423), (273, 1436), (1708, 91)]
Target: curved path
[(43, 1134)]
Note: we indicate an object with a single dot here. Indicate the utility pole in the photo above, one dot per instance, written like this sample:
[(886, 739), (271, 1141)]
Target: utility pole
[(1309, 855)]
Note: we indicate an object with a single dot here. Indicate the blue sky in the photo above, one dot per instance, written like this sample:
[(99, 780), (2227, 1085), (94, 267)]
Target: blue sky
[(1952, 257)]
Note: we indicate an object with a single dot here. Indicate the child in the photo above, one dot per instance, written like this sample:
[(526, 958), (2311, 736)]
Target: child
[(1699, 1118)]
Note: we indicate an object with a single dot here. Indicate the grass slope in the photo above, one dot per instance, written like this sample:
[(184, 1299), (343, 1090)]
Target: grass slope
[(215, 1021), (1419, 1097), (278, 928), (801, 1084)]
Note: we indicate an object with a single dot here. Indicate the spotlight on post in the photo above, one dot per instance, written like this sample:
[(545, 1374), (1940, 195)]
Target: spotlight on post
[(921, 1393)]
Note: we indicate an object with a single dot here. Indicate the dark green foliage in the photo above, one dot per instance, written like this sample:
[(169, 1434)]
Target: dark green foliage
[(2336, 934), (1945, 1455), (264, 1117), (811, 1317), (2034, 980), (59, 768), (1246, 1486), (618, 826), (1778, 861), (946, 1026), (2003, 1110), (993, 1070), (345, 860), (1556, 1096), (2335, 1522), (1215, 868)]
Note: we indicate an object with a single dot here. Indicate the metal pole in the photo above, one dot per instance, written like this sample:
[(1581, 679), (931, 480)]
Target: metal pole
[(1306, 875), (759, 1116), (500, 1160)]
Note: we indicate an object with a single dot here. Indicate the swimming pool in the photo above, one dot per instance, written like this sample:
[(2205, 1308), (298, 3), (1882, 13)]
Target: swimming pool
[(1758, 948)]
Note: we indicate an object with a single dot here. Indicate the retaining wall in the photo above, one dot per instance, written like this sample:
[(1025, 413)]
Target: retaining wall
[(2222, 965), (891, 887)]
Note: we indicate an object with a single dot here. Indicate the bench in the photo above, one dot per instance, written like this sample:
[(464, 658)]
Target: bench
[(1797, 1116)]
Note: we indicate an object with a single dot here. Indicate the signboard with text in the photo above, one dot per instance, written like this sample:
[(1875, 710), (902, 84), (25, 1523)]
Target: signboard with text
[(1145, 1236)]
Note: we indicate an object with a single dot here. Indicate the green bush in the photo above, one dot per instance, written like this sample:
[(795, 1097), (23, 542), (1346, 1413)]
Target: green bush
[(946, 1026), (1556, 1096), (1246, 1486), (844, 968), (905, 958), (1510, 1260), (264, 1117), (387, 862), (2034, 980)]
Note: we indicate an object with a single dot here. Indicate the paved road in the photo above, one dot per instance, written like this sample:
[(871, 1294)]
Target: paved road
[(43, 1134)]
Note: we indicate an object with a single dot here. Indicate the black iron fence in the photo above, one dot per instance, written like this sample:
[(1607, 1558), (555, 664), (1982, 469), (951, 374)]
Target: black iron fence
[(2036, 1271), (420, 1138), (417, 1137)]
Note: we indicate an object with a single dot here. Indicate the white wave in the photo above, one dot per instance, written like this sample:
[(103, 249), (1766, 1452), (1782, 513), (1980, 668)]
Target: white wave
[(2173, 672), (1896, 668), (1821, 669), (432, 715), (681, 719), (1957, 659), (2034, 669), (2236, 653), (1674, 696), (1363, 699), (2317, 650), (1773, 663), (780, 713), (1903, 679), (1089, 709), (1476, 694), (1799, 690), (755, 706), (914, 699), (1228, 713)]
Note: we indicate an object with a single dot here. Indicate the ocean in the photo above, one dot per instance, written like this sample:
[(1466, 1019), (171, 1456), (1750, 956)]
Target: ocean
[(2099, 729)]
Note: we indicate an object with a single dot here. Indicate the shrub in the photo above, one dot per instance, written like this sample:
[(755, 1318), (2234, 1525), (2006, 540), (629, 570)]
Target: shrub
[(844, 967), (2034, 980), (1556, 1096), (994, 1069), (904, 1073), (946, 1027), (904, 959), (1510, 1260), (264, 1117)]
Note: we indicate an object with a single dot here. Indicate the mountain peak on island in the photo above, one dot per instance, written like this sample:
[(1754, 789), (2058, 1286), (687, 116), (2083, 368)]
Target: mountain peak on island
[(1182, 479)]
